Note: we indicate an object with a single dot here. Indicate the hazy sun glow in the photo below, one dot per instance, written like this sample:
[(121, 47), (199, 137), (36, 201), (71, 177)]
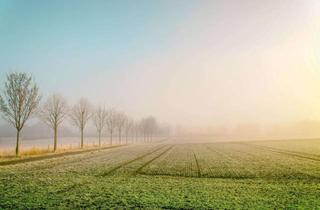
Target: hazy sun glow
[(201, 63)]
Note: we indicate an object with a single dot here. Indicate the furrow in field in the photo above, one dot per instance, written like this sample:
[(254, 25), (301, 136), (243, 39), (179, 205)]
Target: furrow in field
[(102, 164), (152, 160), (267, 164), (179, 161), (130, 169), (123, 164), (306, 147), (60, 161), (89, 163), (286, 152), (197, 164), (221, 164)]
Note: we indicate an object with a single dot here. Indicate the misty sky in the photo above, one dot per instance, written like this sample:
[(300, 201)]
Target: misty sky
[(197, 62)]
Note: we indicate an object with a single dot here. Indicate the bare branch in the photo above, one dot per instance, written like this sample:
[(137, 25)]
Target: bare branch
[(80, 114), (111, 120), (53, 111), (19, 100)]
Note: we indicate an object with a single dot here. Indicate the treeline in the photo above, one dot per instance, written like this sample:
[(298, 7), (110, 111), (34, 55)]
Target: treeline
[(21, 100)]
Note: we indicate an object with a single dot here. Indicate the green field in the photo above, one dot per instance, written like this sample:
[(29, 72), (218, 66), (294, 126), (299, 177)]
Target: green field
[(254, 175)]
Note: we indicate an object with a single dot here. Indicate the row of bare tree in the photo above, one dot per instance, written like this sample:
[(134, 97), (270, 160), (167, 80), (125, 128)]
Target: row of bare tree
[(21, 99)]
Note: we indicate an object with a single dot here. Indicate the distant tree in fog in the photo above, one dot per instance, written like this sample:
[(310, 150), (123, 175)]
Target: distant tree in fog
[(152, 126), (80, 114), (128, 126), (53, 112), (144, 128), (148, 126), (136, 128), (111, 122), (100, 120), (120, 123), (19, 101)]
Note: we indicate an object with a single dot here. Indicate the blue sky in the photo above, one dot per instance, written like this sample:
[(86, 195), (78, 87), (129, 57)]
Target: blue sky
[(77, 38), (191, 61)]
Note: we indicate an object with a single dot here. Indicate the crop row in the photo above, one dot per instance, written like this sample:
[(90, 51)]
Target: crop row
[(212, 160), (227, 160), (267, 164), (179, 161), (309, 147)]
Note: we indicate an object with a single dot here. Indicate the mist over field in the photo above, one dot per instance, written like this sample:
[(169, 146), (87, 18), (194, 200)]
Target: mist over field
[(159, 104), (245, 69)]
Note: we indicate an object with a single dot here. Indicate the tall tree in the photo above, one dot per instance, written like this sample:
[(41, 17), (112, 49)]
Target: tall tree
[(19, 101), (100, 120), (144, 128), (148, 127), (80, 114), (111, 122), (136, 130), (120, 122), (128, 126), (53, 112), (151, 127)]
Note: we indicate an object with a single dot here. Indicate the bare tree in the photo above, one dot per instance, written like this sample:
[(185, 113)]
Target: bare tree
[(148, 127), (120, 122), (80, 114), (136, 130), (53, 112), (144, 128), (151, 127), (100, 120), (128, 127), (18, 101), (111, 122)]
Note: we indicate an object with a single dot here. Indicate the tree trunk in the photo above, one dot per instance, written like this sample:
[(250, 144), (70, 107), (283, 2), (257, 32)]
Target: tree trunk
[(119, 136), (18, 142), (55, 138), (126, 137), (81, 138)]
